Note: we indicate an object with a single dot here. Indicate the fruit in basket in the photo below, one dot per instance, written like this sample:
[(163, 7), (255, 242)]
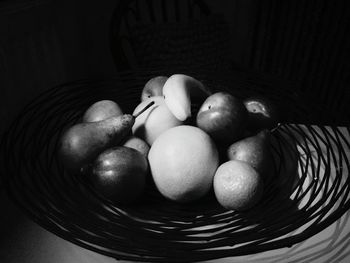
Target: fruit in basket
[(137, 144), (82, 142), (153, 87), (183, 161), (254, 150), (154, 121), (237, 185), (119, 174), (180, 91), (262, 113), (223, 117), (101, 110)]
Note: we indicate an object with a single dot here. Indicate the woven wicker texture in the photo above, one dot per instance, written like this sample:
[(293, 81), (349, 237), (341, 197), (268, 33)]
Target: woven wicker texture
[(308, 191), (201, 42), (168, 34)]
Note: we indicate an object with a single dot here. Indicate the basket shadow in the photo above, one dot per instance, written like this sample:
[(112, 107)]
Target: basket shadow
[(278, 213), (279, 186), (276, 216)]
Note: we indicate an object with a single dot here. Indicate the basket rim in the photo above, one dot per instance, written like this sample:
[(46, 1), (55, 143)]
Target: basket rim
[(9, 138)]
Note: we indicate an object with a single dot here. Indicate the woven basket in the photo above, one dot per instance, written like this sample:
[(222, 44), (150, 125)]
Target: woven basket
[(308, 190)]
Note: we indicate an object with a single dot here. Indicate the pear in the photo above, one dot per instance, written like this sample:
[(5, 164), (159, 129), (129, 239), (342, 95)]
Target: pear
[(102, 110), (254, 150), (82, 142), (262, 113)]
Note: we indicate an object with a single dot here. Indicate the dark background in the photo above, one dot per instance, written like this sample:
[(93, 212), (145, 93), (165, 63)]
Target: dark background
[(304, 43)]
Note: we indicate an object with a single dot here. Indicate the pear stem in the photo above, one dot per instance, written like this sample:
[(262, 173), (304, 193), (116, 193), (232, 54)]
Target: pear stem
[(144, 109), (275, 128)]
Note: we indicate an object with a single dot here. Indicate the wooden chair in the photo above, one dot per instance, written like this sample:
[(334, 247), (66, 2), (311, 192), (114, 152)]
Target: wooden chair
[(307, 42), (171, 36), (169, 33)]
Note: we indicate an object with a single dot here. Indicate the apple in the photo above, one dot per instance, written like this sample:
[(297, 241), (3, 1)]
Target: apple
[(119, 174), (262, 113), (153, 87), (137, 144), (154, 121), (223, 117)]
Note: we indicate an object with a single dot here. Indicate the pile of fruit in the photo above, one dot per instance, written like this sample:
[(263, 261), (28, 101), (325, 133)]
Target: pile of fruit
[(188, 139)]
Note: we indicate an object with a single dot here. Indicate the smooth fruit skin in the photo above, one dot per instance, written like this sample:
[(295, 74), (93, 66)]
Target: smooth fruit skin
[(237, 185), (82, 142), (137, 144), (223, 117), (101, 110), (254, 150), (180, 91), (154, 121), (183, 161), (119, 174), (262, 114), (153, 87)]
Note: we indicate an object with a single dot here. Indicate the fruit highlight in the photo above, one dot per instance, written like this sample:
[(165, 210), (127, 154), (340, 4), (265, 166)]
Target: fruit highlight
[(226, 147), (179, 91), (183, 161)]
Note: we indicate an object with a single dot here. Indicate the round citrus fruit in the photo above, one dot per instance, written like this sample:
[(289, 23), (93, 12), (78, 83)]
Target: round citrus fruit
[(237, 185), (183, 161)]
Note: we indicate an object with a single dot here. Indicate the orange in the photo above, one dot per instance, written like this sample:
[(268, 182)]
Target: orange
[(237, 185)]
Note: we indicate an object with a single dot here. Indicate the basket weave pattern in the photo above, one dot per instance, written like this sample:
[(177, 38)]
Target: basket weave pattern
[(298, 202)]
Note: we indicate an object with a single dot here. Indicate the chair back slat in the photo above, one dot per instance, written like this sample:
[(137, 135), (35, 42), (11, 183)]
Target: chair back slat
[(307, 42)]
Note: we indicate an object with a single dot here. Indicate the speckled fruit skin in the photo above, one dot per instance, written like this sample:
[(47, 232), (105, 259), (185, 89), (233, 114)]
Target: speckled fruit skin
[(119, 174), (254, 150), (237, 185), (82, 142)]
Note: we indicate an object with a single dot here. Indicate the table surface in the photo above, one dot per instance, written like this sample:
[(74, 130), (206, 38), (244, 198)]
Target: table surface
[(22, 240)]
